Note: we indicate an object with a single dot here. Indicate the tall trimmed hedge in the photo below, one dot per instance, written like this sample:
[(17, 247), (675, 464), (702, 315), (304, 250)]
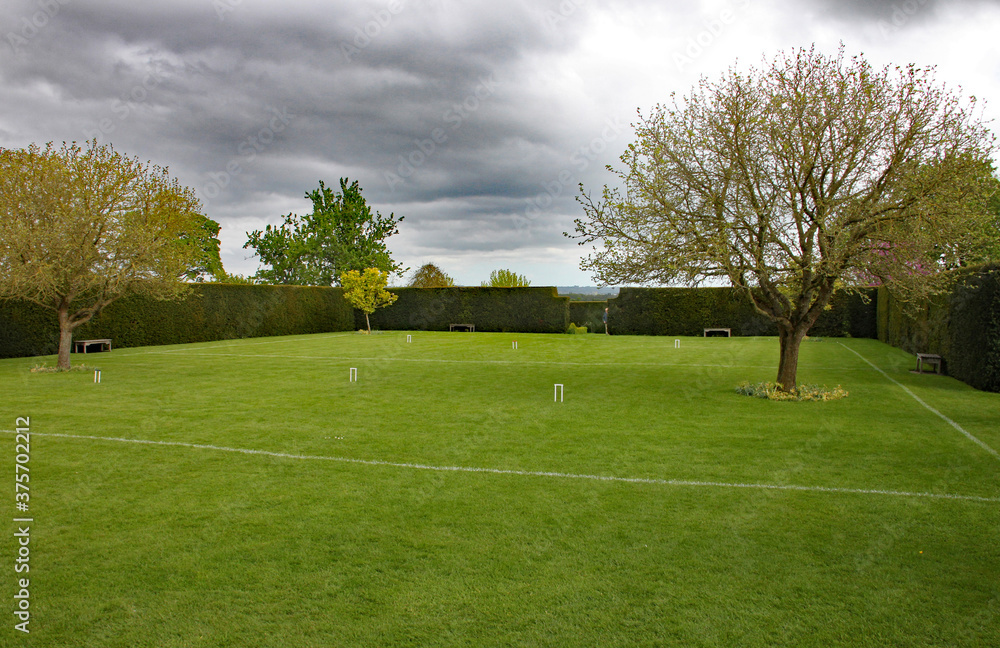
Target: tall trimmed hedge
[(684, 311), (688, 311), (27, 330), (963, 327), (210, 312), (526, 310), (216, 312)]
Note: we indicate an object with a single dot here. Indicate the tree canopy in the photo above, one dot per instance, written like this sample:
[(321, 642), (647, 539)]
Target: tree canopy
[(792, 180), (986, 246), (82, 227), (430, 276), (366, 291), (204, 237), (506, 279), (340, 234)]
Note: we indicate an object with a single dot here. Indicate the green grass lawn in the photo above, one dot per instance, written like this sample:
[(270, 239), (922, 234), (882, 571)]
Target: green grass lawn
[(444, 499)]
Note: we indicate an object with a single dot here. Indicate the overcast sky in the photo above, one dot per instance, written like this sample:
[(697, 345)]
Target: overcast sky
[(474, 120)]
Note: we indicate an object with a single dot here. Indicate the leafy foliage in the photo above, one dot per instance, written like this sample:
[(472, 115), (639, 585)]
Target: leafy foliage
[(506, 279), (83, 227), (792, 180), (204, 237), (430, 276), (341, 234), (236, 279), (991, 249), (366, 291)]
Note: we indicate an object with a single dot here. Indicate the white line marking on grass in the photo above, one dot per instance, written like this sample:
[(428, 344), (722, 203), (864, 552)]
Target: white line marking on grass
[(533, 473), (497, 362), (922, 402)]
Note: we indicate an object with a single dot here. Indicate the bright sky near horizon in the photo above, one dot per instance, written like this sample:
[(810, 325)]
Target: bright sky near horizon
[(474, 120)]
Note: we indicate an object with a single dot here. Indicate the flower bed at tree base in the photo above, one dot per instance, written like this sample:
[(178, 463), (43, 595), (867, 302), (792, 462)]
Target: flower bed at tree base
[(771, 391)]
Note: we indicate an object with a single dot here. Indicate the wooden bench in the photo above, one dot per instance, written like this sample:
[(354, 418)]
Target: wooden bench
[(728, 332), (83, 344), (471, 328), (929, 358)]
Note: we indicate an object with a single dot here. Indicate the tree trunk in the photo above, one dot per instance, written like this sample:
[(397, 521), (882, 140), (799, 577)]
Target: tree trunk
[(789, 340), (65, 338), (67, 324), (368, 323)]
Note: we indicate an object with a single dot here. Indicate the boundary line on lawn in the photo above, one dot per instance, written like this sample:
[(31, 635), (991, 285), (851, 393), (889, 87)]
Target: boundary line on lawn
[(924, 403), (533, 473), (497, 362)]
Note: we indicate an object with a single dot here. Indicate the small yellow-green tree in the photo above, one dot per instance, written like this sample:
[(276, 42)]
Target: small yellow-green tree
[(366, 291)]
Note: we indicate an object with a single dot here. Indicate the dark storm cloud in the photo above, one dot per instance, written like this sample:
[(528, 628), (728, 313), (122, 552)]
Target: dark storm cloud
[(471, 118), (867, 9), (894, 13), (419, 99)]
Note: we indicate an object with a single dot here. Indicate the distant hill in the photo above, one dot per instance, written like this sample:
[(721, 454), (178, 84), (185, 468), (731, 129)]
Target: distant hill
[(610, 291), (587, 293)]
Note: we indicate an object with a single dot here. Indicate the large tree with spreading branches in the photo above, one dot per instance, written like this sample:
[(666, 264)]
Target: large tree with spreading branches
[(83, 226), (793, 180), (340, 234)]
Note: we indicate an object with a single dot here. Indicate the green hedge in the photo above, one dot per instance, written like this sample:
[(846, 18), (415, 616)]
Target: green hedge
[(27, 329), (210, 312), (963, 327), (526, 310), (975, 330), (683, 311), (688, 311), (589, 314), (850, 315), (217, 312)]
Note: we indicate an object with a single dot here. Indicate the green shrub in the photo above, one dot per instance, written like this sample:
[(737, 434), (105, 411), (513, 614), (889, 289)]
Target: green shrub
[(575, 330)]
